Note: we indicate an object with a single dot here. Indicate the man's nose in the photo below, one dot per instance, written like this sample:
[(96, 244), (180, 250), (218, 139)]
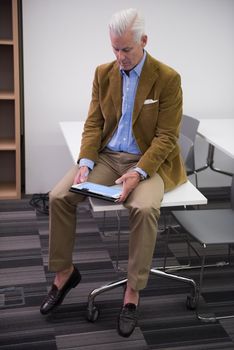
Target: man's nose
[(121, 55)]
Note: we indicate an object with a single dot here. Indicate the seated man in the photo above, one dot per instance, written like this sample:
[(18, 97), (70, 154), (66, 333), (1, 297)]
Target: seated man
[(130, 137)]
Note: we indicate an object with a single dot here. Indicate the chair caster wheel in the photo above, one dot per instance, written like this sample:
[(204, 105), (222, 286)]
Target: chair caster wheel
[(92, 315), (191, 302)]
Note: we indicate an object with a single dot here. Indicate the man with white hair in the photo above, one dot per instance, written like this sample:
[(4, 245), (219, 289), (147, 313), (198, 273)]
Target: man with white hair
[(130, 137)]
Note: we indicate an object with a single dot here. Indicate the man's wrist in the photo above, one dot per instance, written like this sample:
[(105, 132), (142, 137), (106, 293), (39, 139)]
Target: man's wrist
[(86, 162), (142, 178), (143, 175)]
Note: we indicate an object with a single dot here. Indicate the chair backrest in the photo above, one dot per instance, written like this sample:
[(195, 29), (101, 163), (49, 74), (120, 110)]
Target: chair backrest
[(189, 126), (185, 146), (232, 193)]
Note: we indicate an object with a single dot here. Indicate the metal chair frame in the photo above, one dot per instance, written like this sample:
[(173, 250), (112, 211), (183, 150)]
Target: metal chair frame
[(223, 238)]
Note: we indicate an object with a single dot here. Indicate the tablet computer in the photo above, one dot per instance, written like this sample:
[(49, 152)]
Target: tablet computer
[(110, 193)]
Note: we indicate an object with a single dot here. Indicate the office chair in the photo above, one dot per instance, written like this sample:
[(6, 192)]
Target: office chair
[(186, 146), (208, 227), (189, 127), (97, 205)]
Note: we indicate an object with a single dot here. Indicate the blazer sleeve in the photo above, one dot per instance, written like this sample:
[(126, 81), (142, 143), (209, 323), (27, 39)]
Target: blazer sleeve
[(93, 127)]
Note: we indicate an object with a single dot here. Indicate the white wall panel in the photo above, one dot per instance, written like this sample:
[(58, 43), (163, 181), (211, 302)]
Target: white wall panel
[(64, 40)]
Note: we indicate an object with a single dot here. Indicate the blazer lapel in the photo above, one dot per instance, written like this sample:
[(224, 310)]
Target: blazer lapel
[(148, 76), (116, 89)]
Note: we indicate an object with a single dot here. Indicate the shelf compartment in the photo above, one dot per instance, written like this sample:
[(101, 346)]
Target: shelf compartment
[(6, 69), (8, 178), (7, 161), (6, 30), (7, 120)]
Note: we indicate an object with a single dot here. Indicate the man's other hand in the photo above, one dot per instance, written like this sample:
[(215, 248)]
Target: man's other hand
[(130, 181)]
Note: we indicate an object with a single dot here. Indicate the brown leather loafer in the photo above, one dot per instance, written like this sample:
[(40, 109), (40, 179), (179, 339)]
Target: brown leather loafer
[(127, 319), (55, 296)]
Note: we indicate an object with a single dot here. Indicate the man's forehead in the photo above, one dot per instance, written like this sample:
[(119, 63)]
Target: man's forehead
[(119, 47), (122, 42)]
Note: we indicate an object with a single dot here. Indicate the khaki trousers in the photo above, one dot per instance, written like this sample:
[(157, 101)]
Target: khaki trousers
[(144, 210)]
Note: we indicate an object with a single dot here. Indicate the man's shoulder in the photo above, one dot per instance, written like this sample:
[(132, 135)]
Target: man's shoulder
[(163, 68), (107, 67)]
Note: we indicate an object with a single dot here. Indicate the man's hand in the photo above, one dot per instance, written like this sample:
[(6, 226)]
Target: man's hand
[(81, 175), (130, 181)]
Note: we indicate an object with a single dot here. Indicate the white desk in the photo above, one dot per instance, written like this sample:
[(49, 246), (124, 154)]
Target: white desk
[(72, 132), (219, 134), (186, 194)]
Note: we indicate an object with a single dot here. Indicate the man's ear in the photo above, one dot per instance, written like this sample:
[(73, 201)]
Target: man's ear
[(144, 40)]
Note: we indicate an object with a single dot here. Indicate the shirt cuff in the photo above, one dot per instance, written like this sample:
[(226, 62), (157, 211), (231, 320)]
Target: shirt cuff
[(86, 162), (141, 172)]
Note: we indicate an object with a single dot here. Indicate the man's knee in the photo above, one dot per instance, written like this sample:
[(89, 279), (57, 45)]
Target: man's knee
[(57, 198), (143, 210)]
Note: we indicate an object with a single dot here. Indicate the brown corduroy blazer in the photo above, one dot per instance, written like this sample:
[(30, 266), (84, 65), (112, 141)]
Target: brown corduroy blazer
[(155, 125)]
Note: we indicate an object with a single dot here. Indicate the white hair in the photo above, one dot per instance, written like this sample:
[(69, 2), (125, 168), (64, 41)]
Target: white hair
[(129, 19)]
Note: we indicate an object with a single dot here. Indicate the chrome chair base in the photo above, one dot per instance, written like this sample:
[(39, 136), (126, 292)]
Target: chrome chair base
[(92, 312)]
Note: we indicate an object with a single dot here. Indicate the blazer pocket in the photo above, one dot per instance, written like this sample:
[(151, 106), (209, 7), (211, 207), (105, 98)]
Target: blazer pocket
[(150, 107), (150, 101)]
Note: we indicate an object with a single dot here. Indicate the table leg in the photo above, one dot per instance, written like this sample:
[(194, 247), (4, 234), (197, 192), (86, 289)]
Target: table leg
[(210, 163)]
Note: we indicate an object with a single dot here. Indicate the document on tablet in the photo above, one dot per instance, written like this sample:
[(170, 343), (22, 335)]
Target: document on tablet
[(110, 193)]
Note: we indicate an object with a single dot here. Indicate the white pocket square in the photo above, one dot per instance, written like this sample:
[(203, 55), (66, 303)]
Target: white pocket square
[(147, 102)]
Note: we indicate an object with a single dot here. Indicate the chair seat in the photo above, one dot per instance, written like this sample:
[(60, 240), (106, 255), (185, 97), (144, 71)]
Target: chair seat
[(214, 226)]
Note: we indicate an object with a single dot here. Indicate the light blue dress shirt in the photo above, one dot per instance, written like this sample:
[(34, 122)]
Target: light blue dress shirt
[(123, 139)]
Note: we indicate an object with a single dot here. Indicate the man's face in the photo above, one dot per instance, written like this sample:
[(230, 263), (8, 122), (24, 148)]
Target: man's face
[(128, 53)]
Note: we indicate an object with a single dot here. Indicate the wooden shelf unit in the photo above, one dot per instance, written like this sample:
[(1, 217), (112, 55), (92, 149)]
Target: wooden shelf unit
[(10, 169)]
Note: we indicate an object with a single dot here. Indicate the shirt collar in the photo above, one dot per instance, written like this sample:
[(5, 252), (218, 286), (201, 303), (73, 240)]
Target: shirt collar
[(138, 68)]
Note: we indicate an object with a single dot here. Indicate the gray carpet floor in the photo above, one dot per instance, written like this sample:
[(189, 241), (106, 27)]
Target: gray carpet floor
[(165, 322)]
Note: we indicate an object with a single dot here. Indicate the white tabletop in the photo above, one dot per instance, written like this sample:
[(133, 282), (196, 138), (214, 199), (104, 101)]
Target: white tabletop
[(186, 194), (72, 132), (219, 133)]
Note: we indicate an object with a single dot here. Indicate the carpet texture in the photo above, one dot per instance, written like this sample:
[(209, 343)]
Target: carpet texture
[(165, 322)]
